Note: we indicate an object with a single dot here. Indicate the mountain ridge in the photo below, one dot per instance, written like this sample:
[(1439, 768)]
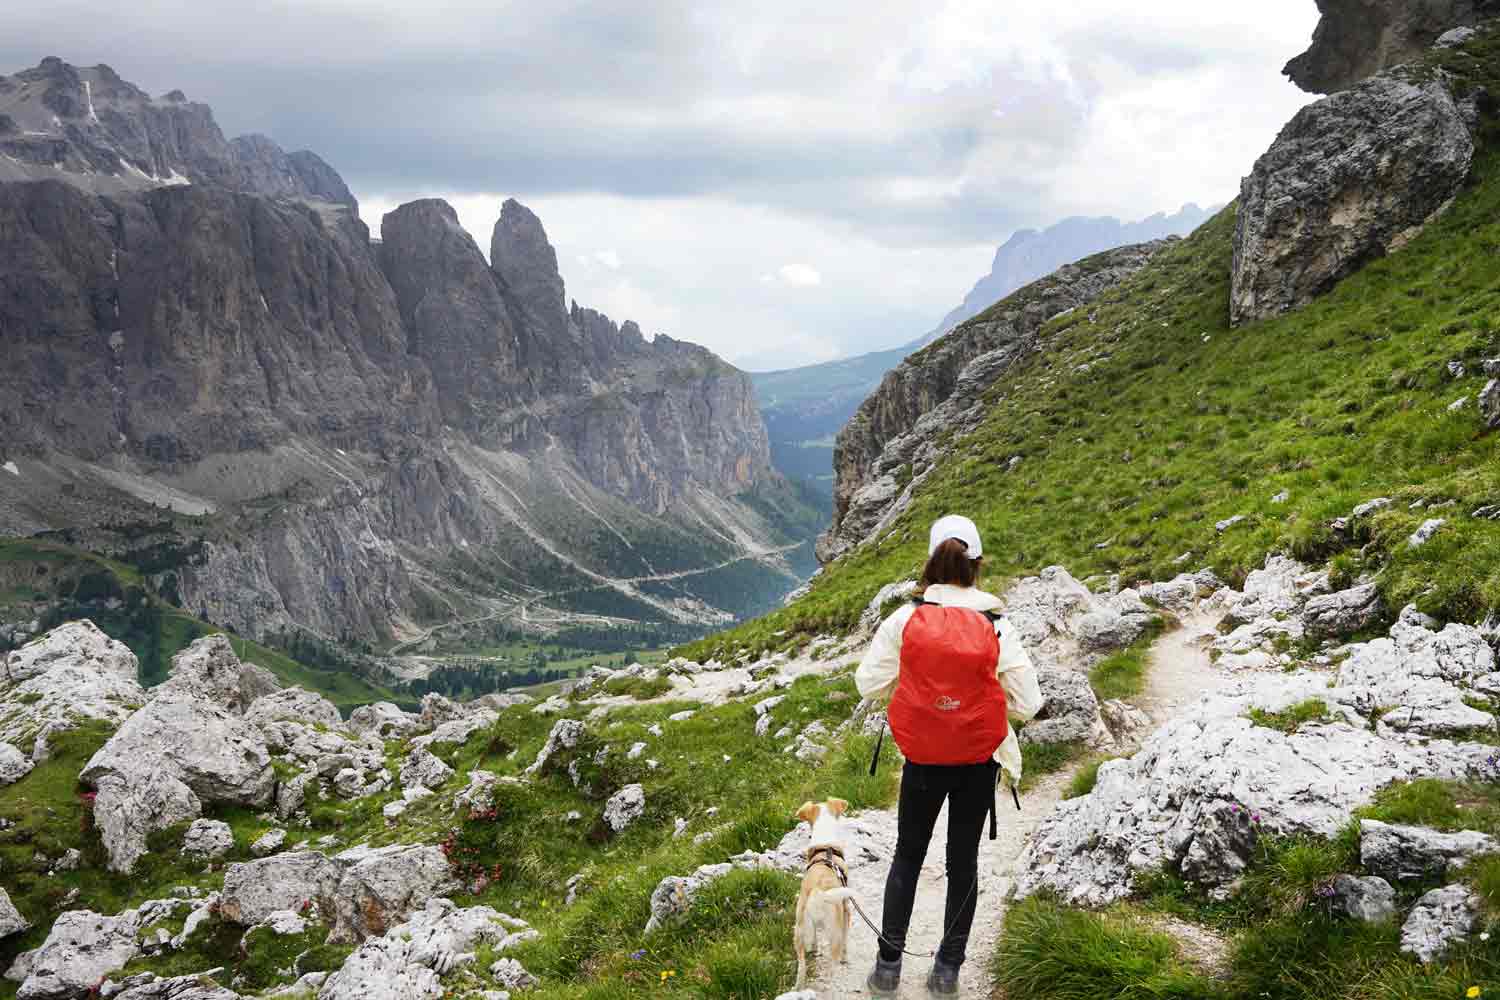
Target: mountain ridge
[(354, 438)]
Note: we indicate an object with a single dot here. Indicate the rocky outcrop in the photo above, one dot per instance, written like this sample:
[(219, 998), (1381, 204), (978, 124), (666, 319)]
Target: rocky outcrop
[(164, 763), (411, 959), (1441, 919), (81, 949), (934, 395), (294, 705), (1350, 178), (256, 889), (1356, 39), (1208, 785), (209, 671), (73, 674), (379, 886), (11, 921)]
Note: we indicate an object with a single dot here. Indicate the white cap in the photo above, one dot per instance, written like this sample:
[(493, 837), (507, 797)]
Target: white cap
[(955, 526)]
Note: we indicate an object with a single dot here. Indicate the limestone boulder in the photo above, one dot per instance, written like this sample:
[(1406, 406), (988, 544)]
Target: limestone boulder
[(208, 670), (295, 705), (171, 756), (1369, 898), (625, 807), (77, 644), (14, 765), (209, 839), (379, 886), (1441, 919), (1070, 712), (1351, 178), (1403, 853), (11, 921), (564, 736), (411, 959), (384, 720), (256, 889), (74, 673), (81, 949), (1342, 613)]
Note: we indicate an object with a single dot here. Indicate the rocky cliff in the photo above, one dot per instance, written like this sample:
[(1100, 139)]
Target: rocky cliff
[(1356, 39), (206, 325), (936, 395)]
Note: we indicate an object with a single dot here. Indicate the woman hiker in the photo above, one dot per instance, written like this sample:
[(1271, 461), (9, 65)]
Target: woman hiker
[(956, 675)]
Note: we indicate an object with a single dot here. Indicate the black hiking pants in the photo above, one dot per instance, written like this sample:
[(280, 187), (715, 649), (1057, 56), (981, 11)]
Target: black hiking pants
[(969, 790)]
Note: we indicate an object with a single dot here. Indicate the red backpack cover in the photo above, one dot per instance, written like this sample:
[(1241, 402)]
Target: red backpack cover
[(949, 707)]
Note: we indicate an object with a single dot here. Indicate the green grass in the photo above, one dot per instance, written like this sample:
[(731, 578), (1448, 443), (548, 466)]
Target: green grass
[(1442, 805), (1291, 719), (1053, 952), (1041, 759), (1343, 400), (1123, 674)]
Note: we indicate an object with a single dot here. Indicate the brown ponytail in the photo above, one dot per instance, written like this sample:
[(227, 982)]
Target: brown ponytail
[(951, 564)]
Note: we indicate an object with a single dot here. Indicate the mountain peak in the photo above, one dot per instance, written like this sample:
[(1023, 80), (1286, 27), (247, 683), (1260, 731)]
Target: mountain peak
[(526, 262)]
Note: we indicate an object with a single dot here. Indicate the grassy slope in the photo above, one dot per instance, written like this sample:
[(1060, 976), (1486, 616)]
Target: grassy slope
[(734, 943), (1180, 422)]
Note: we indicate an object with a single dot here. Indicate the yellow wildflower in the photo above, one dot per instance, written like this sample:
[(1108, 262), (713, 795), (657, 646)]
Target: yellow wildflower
[(1474, 991)]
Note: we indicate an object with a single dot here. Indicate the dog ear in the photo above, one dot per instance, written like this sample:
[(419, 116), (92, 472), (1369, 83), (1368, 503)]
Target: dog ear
[(838, 806), (808, 812)]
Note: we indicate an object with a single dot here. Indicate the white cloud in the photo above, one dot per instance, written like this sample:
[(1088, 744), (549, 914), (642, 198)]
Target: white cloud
[(793, 276)]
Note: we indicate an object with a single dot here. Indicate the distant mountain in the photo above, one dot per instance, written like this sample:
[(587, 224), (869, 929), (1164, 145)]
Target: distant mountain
[(1030, 255), (804, 408), (203, 355)]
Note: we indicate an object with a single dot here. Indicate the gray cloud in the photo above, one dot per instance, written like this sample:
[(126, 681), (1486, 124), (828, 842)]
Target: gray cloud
[(867, 129)]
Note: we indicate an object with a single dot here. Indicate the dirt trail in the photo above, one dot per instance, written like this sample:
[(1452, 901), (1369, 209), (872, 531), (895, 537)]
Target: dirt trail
[(1179, 674)]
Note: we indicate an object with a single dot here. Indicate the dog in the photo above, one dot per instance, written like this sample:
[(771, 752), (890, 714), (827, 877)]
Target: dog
[(824, 902)]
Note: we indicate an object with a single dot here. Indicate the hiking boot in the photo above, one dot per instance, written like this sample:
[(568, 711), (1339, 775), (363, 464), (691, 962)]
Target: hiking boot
[(943, 979), (885, 979)]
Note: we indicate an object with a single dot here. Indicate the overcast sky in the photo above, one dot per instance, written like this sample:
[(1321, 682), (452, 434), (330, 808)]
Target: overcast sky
[(784, 182)]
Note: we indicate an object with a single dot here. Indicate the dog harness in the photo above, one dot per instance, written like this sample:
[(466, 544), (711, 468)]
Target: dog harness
[(831, 858)]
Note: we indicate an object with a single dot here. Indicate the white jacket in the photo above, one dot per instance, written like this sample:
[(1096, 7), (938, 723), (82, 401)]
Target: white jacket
[(880, 669)]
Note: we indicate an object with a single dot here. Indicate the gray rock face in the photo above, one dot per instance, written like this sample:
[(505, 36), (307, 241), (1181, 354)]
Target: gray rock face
[(625, 807), (1441, 919), (221, 329), (11, 921), (1356, 39), (295, 705), (14, 765), (81, 948), (384, 720), (423, 769), (209, 671), (1342, 613), (1205, 786), (208, 838), (410, 960), (1350, 178), (1409, 852), (256, 889), (163, 762), (79, 645), (1071, 713), (379, 886), (937, 391), (1370, 898)]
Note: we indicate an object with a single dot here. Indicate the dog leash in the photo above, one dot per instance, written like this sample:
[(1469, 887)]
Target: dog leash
[(884, 940)]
